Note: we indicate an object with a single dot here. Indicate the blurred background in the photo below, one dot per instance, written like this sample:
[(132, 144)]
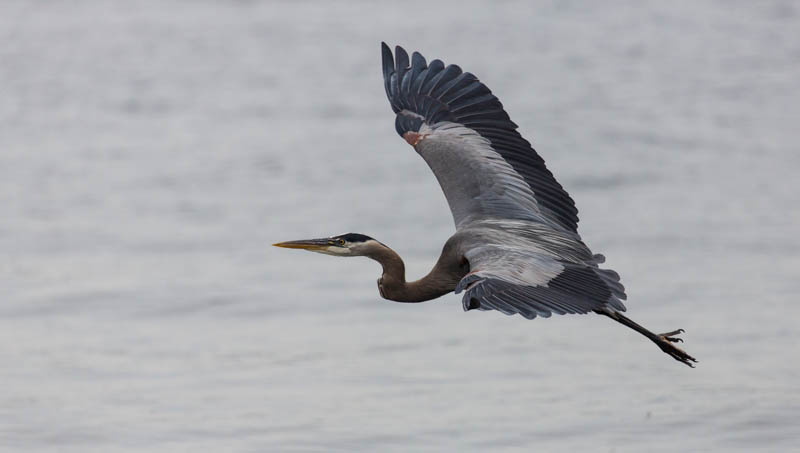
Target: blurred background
[(150, 153)]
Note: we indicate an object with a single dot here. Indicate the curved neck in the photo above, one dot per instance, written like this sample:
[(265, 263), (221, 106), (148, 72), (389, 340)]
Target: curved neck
[(393, 285)]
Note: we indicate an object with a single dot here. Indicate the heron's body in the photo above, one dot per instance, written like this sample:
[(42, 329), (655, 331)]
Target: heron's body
[(516, 248)]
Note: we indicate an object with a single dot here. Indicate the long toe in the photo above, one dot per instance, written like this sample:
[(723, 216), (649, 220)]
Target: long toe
[(674, 332), (665, 341)]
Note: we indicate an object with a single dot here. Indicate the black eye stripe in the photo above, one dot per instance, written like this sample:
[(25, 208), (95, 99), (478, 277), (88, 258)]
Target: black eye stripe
[(355, 237)]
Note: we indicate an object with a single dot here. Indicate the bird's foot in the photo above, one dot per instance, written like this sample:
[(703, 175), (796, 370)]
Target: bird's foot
[(665, 341)]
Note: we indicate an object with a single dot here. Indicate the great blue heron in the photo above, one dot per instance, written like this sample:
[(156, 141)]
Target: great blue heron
[(516, 248)]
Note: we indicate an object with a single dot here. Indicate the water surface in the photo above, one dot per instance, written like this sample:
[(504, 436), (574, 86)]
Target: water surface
[(151, 152)]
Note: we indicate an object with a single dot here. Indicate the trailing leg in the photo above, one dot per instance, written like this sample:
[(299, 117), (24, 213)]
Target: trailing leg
[(664, 340)]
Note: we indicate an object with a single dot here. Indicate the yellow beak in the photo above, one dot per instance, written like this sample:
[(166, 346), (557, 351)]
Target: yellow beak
[(305, 244)]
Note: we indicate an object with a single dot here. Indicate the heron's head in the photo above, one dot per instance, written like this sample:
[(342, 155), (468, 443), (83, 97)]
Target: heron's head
[(350, 244)]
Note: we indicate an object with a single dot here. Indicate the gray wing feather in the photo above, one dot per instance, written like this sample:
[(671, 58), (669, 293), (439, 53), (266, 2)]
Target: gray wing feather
[(477, 182), (524, 268), (575, 289), (516, 226), (426, 95)]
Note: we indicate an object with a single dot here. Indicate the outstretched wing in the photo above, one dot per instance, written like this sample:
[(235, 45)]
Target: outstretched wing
[(551, 276), (517, 227), (484, 166)]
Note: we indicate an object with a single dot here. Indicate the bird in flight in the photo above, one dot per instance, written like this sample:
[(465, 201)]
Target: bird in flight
[(516, 248)]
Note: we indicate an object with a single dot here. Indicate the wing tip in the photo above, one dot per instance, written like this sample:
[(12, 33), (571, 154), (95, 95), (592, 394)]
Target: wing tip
[(388, 58), (398, 51), (388, 63)]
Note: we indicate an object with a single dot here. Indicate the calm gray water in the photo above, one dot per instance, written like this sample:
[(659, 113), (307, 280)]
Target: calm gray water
[(150, 153)]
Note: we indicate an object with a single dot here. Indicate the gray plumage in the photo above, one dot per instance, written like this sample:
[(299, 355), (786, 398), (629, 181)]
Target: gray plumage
[(516, 248), (507, 225)]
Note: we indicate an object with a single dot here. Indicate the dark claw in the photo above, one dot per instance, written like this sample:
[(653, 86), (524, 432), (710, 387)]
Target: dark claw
[(676, 353), (674, 332)]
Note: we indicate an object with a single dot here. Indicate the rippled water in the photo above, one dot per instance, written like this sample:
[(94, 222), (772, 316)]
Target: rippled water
[(151, 152)]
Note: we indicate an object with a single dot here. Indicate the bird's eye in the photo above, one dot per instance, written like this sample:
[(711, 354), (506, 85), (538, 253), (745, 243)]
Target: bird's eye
[(340, 241)]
